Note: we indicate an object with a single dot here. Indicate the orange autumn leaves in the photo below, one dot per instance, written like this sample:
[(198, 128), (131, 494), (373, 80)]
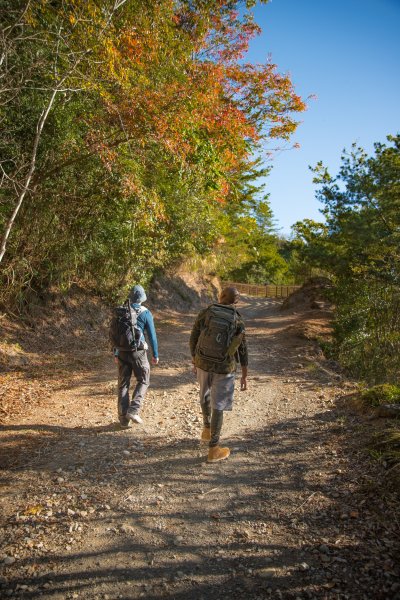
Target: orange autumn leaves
[(171, 73), (173, 76), (153, 135)]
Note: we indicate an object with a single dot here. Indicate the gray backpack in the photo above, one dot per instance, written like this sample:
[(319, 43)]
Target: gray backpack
[(218, 339)]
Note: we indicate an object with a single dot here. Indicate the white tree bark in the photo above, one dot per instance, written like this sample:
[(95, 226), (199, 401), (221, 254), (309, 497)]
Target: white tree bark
[(28, 179), (39, 128)]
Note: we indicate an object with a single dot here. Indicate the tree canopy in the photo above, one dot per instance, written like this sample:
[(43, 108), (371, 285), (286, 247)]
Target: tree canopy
[(130, 136), (359, 246), (361, 233)]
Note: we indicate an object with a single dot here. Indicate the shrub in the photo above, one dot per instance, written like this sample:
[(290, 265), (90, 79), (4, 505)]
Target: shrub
[(382, 394)]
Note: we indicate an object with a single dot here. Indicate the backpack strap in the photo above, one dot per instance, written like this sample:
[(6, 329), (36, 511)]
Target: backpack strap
[(131, 311), (230, 306), (138, 311)]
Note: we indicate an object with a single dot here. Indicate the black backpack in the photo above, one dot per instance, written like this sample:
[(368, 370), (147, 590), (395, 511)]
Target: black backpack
[(218, 339), (124, 333)]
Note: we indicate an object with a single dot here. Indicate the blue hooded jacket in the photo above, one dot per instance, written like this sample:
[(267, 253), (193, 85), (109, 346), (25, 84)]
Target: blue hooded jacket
[(145, 322)]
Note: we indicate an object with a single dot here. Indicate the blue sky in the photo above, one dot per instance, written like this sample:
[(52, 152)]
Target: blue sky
[(347, 53)]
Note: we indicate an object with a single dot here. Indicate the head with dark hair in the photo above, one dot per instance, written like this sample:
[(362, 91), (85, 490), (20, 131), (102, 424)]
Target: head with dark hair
[(229, 295)]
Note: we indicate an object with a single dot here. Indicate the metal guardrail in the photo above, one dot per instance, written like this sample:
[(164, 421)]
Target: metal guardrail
[(263, 291)]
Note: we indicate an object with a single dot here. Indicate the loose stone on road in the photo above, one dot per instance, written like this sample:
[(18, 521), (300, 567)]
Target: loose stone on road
[(99, 512)]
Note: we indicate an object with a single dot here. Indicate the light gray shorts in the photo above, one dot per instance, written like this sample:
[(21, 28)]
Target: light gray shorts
[(217, 388)]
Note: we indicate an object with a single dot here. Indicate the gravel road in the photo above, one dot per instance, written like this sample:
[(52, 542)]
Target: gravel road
[(298, 510)]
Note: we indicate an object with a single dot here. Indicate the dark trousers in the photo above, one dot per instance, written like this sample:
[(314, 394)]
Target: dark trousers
[(138, 364), (212, 419)]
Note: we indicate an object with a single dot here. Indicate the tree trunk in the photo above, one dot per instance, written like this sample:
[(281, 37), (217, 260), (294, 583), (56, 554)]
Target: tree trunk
[(25, 188)]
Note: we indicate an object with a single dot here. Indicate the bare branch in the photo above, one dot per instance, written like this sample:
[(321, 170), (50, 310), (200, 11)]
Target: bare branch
[(78, 57), (118, 4), (39, 129)]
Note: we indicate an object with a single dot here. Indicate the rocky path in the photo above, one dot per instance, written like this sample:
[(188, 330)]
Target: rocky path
[(94, 512)]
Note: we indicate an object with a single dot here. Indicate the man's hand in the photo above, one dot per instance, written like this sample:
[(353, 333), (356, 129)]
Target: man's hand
[(155, 361), (243, 380)]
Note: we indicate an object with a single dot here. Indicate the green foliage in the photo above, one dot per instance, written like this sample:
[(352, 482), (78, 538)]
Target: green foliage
[(381, 394), (127, 141), (359, 245), (299, 267), (249, 250), (387, 448), (367, 329)]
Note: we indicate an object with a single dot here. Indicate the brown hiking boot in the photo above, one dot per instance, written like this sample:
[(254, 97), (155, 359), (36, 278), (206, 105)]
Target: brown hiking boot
[(206, 434), (217, 453)]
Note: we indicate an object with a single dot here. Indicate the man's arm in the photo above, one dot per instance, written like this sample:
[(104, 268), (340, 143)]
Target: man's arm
[(196, 330), (243, 380), (244, 361), (151, 332)]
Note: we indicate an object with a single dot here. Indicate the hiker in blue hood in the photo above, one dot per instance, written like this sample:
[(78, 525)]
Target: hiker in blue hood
[(136, 361)]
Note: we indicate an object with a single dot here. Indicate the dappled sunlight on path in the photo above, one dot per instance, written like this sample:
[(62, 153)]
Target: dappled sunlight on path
[(92, 511)]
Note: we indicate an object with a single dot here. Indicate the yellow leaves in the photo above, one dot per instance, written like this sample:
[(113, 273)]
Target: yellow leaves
[(91, 9), (33, 510)]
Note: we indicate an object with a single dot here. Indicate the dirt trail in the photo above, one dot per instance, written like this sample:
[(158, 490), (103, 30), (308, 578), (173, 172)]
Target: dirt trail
[(95, 512)]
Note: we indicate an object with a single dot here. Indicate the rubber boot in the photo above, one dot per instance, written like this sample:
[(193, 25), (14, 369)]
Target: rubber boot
[(215, 452), (206, 434), (206, 410)]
